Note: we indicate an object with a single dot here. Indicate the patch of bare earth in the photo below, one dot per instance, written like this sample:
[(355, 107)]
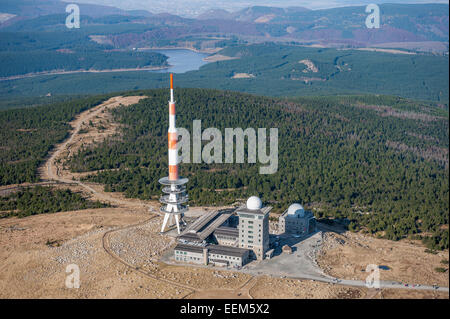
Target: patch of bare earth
[(32, 269), (310, 66), (219, 57), (242, 76), (393, 51), (269, 287), (347, 255)]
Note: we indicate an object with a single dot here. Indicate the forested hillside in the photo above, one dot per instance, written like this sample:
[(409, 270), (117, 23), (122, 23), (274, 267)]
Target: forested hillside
[(43, 200), (272, 70), (32, 52), (381, 162), (27, 136)]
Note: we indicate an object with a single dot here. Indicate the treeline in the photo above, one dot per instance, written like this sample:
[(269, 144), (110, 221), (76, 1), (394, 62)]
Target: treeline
[(17, 63), (277, 72), (44, 200), (334, 157), (24, 52), (27, 136)]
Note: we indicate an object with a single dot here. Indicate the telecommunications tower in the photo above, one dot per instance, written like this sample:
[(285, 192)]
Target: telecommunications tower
[(174, 201)]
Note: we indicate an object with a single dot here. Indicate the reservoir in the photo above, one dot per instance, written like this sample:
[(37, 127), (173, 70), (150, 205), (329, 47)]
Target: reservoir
[(182, 60)]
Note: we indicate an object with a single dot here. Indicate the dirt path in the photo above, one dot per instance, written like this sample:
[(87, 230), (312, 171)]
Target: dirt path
[(107, 248), (54, 171)]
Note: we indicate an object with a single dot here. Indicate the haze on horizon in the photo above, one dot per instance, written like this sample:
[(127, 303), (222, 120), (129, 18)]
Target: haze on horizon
[(192, 8)]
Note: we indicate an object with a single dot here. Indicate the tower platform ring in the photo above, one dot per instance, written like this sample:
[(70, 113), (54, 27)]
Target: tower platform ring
[(179, 201), (169, 190), (180, 212), (167, 181)]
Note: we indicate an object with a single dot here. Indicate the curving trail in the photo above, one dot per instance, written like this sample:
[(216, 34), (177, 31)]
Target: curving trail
[(52, 172), (107, 248)]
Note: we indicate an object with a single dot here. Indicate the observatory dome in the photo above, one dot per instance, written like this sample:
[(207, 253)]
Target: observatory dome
[(254, 203), (296, 209)]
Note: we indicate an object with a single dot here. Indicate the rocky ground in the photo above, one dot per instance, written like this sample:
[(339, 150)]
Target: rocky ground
[(347, 255)]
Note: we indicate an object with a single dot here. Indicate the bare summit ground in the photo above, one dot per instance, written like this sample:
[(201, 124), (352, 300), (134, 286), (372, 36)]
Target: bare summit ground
[(347, 255), (118, 249)]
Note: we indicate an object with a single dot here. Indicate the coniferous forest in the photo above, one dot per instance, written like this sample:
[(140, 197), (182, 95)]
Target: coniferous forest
[(377, 163), (28, 135), (42, 200)]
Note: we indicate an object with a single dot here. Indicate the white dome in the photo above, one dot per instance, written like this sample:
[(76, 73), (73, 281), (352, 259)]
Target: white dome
[(254, 203), (296, 209)]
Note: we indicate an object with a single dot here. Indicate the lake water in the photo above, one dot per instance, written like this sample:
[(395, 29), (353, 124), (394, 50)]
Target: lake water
[(181, 60)]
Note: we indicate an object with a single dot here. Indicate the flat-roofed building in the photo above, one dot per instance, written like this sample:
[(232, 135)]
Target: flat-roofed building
[(254, 227), (191, 254), (226, 255), (214, 254), (202, 229), (297, 221)]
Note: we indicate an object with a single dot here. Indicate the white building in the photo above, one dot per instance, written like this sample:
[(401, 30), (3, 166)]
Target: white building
[(296, 221), (254, 227)]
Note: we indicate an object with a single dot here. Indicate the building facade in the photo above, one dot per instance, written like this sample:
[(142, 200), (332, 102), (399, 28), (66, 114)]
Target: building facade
[(254, 228), (211, 254), (227, 236), (296, 221)]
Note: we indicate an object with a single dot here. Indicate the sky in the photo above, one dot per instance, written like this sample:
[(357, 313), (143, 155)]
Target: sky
[(191, 8)]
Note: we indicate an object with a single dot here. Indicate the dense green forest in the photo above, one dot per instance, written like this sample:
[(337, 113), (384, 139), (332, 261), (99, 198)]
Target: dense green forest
[(25, 52), (27, 136), (380, 162), (43, 200), (23, 102), (276, 71), (19, 63)]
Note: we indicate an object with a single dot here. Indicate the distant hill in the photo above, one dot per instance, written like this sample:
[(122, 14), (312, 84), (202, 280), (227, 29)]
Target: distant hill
[(273, 70), (219, 14), (34, 8), (402, 25)]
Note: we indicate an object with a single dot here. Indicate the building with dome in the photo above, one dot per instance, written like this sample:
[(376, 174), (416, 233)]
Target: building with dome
[(227, 237), (296, 221), (254, 227)]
